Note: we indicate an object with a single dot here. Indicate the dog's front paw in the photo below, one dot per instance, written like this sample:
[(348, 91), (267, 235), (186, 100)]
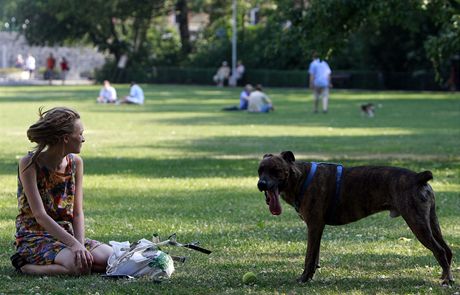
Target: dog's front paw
[(447, 282), (447, 279), (304, 278)]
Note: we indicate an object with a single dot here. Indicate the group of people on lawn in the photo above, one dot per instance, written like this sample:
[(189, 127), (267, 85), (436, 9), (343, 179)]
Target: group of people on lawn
[(256, 101), (253, 100), (108, 94)]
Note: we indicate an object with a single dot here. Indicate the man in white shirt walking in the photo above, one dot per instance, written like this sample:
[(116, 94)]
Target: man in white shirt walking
[(320, 81)]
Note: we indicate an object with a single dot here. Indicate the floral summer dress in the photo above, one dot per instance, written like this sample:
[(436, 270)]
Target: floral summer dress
[(57, 191)]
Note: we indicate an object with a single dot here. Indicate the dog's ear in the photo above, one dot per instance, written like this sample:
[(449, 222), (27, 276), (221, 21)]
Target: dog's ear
[(267, 155), (288, 156)]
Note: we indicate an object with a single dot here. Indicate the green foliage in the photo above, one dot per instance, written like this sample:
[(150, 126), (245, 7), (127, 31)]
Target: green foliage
[(388, 36), (117, 27), (179, 164), (382, 35), (7, 13), (262, 46), (214, 47), (441, 47)]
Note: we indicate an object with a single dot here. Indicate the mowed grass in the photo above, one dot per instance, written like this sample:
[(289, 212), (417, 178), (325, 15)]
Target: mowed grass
[(180, 165)]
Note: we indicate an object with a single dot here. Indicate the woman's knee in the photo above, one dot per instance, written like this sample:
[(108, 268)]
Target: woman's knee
[(101, 254), (66, 259), (72, 268)]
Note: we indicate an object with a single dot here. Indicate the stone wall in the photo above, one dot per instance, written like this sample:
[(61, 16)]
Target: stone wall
[(82, 60)]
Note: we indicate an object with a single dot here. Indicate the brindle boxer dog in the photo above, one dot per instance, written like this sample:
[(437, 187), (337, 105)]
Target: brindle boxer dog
[(335, 195)]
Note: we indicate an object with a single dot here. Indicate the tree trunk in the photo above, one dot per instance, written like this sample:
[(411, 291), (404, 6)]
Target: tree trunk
[(182, 19)]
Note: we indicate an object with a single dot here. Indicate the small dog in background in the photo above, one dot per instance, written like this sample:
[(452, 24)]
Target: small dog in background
[(368, 109)]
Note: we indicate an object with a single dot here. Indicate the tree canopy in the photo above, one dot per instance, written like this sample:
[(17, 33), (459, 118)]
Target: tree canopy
[(384, 35), (118, 26)]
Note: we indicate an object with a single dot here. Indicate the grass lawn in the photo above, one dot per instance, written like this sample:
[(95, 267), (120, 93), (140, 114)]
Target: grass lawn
[(180, 165)]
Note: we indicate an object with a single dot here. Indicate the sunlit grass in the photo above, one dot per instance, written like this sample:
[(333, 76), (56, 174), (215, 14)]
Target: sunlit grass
[(179, 164)]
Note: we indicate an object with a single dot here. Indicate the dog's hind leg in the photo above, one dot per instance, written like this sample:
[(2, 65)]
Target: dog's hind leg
[(427, 191), (436, 229), (438, 236), (312, 258), (420, 224)]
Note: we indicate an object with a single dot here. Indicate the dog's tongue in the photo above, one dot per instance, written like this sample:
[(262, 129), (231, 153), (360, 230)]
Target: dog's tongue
[(274, 204)]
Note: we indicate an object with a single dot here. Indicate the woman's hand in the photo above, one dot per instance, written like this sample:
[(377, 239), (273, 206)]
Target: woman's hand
[(83, 258)]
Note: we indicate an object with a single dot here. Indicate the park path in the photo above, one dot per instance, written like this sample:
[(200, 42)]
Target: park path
[(34, 82)]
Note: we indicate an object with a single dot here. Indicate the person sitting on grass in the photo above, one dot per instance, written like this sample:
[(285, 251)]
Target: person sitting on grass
[(136, 95), (259, 102), (50, 227), (108, 94), (222, 75), (244, 96)]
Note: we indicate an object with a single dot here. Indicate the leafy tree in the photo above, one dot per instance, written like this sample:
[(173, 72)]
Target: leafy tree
[(7, 7), (182, 19), (444, 45), (384, 35), (118, 26), (255, 42), (388, 35)]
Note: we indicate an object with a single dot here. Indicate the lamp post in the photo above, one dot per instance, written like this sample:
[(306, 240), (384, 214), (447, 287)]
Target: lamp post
[(232, 80)]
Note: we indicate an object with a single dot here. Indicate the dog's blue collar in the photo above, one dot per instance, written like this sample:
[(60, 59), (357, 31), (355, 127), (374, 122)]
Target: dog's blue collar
[(338, 183)]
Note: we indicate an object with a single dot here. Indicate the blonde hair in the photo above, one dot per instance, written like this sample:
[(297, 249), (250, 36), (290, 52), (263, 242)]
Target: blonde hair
[(50, 127)]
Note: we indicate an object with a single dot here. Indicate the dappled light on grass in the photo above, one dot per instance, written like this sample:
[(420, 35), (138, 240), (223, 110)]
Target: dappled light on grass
[(179, 164)]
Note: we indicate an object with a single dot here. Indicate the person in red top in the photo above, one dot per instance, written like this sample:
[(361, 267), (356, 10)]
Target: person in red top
[(50, 64), (64, 69)]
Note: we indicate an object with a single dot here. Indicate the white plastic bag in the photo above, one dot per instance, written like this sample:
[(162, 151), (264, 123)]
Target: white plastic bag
[(140, 259)]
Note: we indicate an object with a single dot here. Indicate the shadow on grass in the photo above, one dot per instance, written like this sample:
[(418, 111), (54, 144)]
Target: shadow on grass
[(152, 93), (348, 264), (335, 144), (280, 274), (343, 114), (232, 205), (210, 167), (232, 216), (410, 146), (215, 278), (172, 168), (156, 168)]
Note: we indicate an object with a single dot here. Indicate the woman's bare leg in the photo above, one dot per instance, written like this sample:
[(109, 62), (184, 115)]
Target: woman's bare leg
[(101, 254), (64, 263), (46, 269)]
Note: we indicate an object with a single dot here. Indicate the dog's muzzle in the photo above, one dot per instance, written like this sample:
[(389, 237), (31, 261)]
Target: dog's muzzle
[(262, 185), (271, 192)]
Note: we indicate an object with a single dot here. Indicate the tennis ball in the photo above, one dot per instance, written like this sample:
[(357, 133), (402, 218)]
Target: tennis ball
[(249, 278)]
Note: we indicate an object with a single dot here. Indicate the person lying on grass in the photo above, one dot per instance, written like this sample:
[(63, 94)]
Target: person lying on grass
[(50, 235)]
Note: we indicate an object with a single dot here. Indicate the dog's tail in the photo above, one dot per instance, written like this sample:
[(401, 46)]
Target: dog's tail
[(424, 177), (425, 190)]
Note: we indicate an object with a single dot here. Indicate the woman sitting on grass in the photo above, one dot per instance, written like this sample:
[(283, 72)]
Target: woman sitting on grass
[(50, 234)]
